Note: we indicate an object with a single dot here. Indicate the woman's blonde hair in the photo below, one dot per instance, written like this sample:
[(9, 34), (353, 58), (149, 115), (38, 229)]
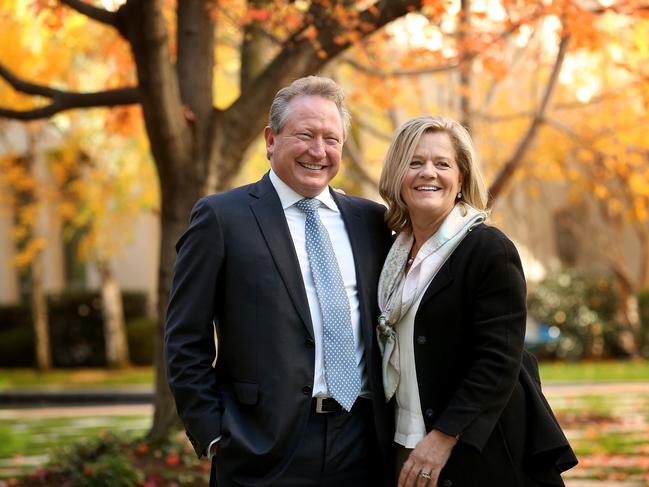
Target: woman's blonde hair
[(399, 155)]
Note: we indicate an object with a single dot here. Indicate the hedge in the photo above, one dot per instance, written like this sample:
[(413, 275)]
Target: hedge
[(76, 331)]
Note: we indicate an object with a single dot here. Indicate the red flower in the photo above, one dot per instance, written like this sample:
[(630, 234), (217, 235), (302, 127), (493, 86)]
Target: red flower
[(173, 460)]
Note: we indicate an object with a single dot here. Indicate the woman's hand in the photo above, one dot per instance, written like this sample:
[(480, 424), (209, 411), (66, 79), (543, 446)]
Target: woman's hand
[(429, 457)]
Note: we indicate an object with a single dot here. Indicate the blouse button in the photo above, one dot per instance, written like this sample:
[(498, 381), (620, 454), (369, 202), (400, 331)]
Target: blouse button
[(429, 413), (421, 340), (447, 483)]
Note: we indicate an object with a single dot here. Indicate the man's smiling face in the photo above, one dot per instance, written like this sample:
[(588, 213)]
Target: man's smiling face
[(306, 153)]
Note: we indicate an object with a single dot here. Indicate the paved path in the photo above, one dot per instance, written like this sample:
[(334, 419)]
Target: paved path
[(74, 411), (605, 483)]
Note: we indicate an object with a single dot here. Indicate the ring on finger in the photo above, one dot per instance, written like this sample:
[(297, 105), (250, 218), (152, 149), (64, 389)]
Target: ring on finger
[(425, 475)]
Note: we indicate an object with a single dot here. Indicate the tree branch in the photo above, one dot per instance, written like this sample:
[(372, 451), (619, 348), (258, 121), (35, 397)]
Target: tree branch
[(372, 129), (26, 87), (467, 56), (62, 100), (355, 158), (380, 73), (90, 11), (512, 164)]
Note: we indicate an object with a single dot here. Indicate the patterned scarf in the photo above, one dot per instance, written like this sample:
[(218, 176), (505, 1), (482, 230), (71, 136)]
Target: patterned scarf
[(392, 301)]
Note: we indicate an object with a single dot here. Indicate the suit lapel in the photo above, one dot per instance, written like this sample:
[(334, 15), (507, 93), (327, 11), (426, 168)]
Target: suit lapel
[(270, 217)]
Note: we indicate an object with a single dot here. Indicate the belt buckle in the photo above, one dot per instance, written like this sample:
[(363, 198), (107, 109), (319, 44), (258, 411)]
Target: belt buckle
[(319, 402)]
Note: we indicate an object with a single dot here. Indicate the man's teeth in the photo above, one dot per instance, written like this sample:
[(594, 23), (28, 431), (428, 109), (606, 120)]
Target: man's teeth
[(311, 166), (427, 188)]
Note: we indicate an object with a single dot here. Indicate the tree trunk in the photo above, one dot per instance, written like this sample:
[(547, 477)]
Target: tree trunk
[(465, 67), (176, 205), (39, 315), (177, 120), (115, 336), (254, 47), (37, 296), (643, 240), (629, 313)]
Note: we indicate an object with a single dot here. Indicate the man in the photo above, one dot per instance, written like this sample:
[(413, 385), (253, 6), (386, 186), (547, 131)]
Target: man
[(284, 273)]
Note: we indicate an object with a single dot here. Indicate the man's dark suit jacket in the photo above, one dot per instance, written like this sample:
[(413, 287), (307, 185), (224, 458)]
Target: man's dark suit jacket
[(468, 341), (237, 267)]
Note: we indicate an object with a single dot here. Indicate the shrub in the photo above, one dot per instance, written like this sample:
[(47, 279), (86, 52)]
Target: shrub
[(583, 307), (111, 461), (14, 316), (99, 462), (76, 331), (140, 340)]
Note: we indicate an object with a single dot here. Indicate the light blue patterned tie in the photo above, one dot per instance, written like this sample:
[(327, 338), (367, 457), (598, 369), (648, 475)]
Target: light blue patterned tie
[(341, 373)]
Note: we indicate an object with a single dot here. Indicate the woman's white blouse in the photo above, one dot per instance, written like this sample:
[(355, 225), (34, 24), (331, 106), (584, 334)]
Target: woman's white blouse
[(410, 426)]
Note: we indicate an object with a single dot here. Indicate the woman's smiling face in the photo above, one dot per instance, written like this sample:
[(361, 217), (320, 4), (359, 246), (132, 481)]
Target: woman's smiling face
[(433, 178)]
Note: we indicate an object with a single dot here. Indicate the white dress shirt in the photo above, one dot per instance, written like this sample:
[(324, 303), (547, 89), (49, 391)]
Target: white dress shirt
[(333, 222)]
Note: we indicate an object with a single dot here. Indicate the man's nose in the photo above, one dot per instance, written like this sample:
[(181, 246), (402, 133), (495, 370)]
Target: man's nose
[(317, 148)]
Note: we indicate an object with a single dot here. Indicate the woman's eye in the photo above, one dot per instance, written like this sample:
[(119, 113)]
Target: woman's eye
[(415, 163)]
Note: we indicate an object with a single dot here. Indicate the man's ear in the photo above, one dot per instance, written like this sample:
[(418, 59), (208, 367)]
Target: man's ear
[(269, 135)]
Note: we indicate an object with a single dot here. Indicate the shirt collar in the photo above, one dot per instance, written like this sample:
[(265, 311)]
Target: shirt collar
[(288, 196)]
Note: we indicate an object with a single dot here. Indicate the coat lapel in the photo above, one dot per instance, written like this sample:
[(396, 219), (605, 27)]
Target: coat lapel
[(269, 214)]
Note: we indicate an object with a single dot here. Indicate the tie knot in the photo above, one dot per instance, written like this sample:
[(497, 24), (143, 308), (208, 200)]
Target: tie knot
[(308, 205)]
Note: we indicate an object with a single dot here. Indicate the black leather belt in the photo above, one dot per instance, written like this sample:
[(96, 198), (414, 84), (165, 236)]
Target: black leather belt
[(324, 405)]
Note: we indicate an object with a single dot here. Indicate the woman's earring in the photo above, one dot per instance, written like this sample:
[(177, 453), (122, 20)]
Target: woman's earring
[(459, 195)]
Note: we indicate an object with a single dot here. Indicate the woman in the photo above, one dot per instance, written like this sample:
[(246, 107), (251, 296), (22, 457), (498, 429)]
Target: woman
[(452, 296)]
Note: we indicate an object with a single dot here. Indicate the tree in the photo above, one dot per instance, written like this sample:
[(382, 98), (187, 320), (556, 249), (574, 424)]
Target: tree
[(20, 174), (86, 186), (103, 181)]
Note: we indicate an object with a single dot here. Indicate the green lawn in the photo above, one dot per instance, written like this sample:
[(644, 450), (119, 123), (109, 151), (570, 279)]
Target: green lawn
[(31, 441), (74, 378), (33, 436), (605, 371)]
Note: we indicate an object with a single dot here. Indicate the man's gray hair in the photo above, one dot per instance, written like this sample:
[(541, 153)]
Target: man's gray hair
[(307, 86)]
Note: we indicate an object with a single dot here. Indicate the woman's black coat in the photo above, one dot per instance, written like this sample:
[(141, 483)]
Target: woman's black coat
[(468, 340)]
